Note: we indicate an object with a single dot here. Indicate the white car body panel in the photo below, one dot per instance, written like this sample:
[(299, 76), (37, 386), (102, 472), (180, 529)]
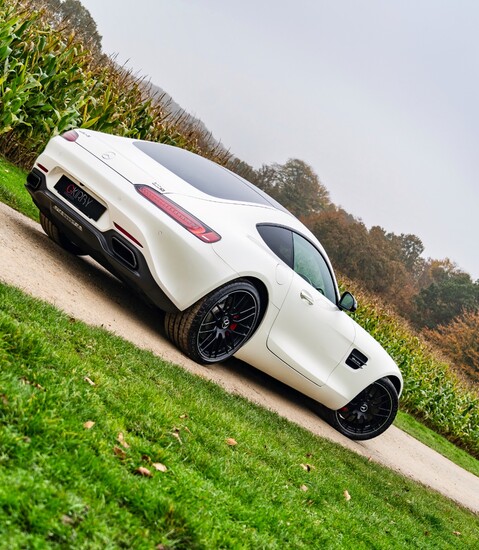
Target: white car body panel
[(320, 336)]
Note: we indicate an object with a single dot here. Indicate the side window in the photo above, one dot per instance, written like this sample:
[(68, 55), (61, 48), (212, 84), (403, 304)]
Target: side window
[(300, 255), (280, 240), (309, 264)]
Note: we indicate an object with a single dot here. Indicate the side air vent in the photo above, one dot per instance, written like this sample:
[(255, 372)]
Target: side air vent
[(356, 359), (124, 253)]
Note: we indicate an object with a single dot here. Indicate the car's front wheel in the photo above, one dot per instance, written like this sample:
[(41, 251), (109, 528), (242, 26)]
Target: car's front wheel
[(370, 413), (57, 236), (214, 328)]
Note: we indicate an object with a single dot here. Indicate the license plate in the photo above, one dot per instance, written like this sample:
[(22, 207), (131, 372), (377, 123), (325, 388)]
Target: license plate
[(79, 198)]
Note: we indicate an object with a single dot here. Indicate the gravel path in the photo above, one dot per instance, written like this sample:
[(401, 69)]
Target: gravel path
[(84, 290)]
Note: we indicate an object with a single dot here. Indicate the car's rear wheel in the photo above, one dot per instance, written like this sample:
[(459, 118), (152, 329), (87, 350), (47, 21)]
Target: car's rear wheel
[(370, 413), (214, 328), (57, 236)]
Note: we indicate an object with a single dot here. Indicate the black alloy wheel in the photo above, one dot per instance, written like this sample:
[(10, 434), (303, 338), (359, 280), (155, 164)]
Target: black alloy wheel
[(214, 328), (370, 413)]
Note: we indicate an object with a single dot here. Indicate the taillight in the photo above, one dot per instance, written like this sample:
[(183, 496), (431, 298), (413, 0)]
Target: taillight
[(70, 135), (179, 214)]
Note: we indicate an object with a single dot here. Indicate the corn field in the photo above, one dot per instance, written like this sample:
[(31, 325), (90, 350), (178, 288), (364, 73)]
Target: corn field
[(49, 83)]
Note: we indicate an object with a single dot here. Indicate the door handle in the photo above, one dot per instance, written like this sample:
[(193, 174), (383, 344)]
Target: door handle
[(306, 296)]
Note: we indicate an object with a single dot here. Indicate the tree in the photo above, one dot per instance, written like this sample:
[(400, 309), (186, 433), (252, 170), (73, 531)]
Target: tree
[(296, 186), (343, 237), (450, 293), (243, 169), (77, 18), (409, 249), (368, 256), (266, 178), (459, 341)]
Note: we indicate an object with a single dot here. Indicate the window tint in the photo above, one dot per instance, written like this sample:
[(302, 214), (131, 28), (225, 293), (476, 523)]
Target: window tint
[(309, 263), (205, 175), (280, 240), (300, 255)]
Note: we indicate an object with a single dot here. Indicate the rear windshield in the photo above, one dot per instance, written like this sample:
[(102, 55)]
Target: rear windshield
[(205, 175)]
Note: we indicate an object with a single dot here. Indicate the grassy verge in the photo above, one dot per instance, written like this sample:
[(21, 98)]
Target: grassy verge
[(12, 191), (236, 475)]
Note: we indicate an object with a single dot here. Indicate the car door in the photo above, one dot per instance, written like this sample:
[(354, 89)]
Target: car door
[(310, 333)]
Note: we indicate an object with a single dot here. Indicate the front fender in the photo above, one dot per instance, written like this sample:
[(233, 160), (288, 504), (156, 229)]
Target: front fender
[(345, 382)]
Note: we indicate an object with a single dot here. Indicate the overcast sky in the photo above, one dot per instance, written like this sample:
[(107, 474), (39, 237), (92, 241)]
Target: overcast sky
[(380, 97)]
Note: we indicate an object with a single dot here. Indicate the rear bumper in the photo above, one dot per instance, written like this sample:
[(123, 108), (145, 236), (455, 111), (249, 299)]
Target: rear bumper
[(110, 248)]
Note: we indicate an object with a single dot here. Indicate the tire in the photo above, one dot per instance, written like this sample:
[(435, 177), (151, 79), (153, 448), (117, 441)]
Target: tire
[(58, 237), (369, 414), (213, 329)]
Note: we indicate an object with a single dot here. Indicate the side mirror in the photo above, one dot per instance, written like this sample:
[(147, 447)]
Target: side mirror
[(348, 302)]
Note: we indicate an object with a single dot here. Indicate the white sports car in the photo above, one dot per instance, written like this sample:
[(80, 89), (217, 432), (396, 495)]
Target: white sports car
[(234, 271)]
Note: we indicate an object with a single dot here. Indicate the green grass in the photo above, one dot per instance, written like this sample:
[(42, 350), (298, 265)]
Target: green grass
[(63, 485), (12, 190)]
